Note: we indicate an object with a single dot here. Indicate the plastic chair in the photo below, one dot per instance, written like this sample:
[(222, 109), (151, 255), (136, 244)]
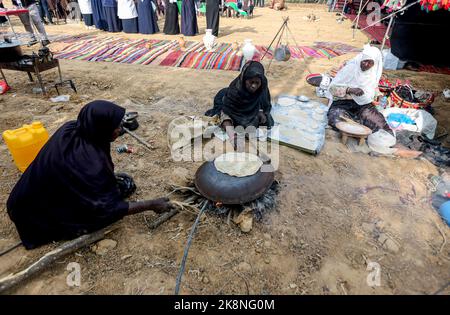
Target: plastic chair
[(234, 6), (202, 8)]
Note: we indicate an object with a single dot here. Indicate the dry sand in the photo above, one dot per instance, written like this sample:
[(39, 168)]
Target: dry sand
[(325, 230)]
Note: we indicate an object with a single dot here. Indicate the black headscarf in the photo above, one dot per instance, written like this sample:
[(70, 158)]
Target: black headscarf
[(241, 105), (70, 188)]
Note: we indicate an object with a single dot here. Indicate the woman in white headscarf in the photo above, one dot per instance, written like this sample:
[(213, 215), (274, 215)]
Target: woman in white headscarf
[(354, 89)]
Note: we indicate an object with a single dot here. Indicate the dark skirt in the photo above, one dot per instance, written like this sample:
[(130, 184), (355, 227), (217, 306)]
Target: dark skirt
[(130, 25), (88, 19), (98, 14), (147, 17), (113, 21), (171, 26), (189, 25), (367, 115), (2, 18), (212, 16)]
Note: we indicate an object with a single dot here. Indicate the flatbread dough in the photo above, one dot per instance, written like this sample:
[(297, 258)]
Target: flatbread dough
[(238, 164), (286, 101), (295, 112)]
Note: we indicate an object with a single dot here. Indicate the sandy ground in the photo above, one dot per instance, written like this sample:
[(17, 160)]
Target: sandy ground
[(325, 231)]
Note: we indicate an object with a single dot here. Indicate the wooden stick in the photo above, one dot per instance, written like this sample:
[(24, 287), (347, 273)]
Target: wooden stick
[(163, 218), (139, 139), (6, 251), (13, 279)]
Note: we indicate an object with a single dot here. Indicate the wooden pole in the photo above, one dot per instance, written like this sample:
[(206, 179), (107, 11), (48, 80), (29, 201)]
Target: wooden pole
[(387, 32), (45, 261), (355, 26)]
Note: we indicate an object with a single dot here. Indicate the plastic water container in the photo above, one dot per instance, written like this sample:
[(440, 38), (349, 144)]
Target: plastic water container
[(25, 143), (444, 211)]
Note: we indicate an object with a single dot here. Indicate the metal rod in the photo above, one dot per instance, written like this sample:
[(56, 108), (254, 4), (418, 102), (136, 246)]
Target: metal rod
[(392, 14), (140, 140), (387, 32), (186, 249), (357, 18), (299, 48), (282, 25)]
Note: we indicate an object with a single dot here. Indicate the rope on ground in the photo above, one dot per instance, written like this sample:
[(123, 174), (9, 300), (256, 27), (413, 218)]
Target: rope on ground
[(186, 249)]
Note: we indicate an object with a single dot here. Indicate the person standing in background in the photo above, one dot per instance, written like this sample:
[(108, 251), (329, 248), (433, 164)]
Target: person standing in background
[(212, 16), (259, 3), (128, 14), (171, 26), (99, 15), (113, 22), (2, 18), (147, 17), (189, 26), (86, 11), (34, 17), (43, 10)]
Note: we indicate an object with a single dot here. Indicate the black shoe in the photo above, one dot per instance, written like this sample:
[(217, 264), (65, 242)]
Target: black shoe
[(45, 42)]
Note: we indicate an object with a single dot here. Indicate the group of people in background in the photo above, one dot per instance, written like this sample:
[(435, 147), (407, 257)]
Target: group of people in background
[(141, 16), (132, 16)]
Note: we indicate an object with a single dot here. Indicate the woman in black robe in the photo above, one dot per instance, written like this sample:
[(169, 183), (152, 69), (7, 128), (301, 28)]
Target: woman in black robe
[(113, 22), (70, 188), (2, 18), (246, 102), (212, 16), (171, 26), (99, 15), (189, 25), (147, 17)]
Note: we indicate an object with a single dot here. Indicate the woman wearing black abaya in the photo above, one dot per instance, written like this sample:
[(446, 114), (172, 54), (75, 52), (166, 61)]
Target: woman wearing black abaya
[(171, 26), (99, 15), (246, 102), (212, 16), (189, 25), (112, 20), (2, 18), (70, 188)]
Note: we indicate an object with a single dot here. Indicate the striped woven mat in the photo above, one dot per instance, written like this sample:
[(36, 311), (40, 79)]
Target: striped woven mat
[(169, 53)]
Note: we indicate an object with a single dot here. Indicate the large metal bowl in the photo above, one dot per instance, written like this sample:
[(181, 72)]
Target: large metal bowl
[(10, 52), (231, 190)]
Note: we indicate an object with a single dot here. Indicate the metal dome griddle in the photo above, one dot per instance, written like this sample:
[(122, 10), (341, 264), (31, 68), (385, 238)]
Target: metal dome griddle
[(231, 190)]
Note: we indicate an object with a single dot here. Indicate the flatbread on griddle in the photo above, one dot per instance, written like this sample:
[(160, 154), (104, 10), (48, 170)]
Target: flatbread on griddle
[(238, 164)]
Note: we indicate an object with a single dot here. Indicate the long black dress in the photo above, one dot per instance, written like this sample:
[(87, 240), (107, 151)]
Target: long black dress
[(2, 18), (147, 17), (171, 26), (189, 25), (112, 20), (70, 188), (99, 15), (212, 16)]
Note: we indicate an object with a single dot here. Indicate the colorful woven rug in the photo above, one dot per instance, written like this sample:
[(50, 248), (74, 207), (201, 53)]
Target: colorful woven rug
[(169, 53)]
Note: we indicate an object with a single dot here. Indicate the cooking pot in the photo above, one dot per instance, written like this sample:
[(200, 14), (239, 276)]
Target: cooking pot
[(10, 52), (231, 190)]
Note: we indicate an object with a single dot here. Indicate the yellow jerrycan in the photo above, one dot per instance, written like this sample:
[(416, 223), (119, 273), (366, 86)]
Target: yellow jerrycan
[(25, 143)]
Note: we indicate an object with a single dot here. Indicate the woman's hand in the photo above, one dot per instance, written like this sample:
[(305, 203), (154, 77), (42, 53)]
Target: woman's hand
[(262, 118), (161, 205), (355, 91)]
